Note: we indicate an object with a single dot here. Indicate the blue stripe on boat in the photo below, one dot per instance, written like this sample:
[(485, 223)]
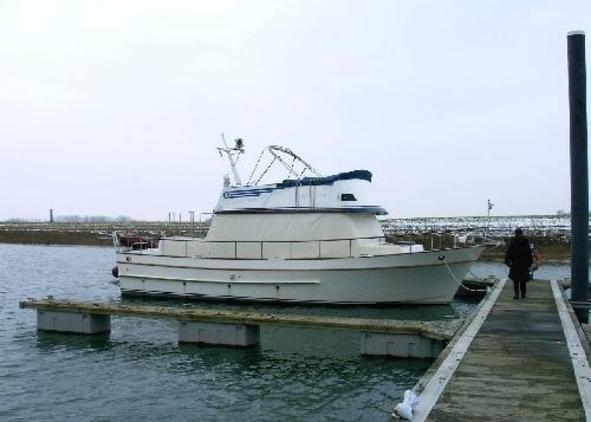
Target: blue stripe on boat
[(290, 210)]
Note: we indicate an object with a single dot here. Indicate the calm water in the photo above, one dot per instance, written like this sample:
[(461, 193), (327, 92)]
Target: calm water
[(139, 372)]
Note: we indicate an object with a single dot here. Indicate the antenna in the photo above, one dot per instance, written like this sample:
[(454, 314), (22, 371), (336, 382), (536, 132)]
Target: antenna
[(230, 152)]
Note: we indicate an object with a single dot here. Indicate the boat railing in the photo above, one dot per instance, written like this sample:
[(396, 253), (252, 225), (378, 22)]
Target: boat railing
[(285, 249)]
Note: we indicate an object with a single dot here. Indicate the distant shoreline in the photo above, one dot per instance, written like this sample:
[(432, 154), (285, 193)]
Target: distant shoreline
[(554, 246)]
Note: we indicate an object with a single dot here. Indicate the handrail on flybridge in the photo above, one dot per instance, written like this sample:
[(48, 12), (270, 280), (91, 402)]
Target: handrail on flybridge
[(277, 152), (274, 150)]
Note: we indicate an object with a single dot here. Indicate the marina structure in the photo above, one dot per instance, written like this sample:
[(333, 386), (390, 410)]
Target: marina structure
[(515, 360), (386, 337)]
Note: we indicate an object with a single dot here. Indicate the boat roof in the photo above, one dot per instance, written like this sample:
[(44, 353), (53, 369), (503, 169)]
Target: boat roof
[(276, 198), (326, 180)]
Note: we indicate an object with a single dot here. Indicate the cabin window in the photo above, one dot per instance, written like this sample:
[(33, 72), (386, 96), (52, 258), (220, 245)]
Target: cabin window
[(348, 197)]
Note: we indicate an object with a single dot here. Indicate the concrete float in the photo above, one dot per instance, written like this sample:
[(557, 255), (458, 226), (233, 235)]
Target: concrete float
[(73, 322), (379, 337)]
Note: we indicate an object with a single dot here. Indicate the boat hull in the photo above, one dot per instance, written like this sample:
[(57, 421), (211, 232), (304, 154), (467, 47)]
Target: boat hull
[(412, 278)]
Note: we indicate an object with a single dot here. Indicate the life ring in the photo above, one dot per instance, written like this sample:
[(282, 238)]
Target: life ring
[(537, 260)]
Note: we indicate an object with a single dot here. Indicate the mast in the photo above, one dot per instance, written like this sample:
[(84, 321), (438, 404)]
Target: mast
[(230, 153)]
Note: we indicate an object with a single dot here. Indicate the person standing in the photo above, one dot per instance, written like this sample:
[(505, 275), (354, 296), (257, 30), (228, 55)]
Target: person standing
[(519, 259)]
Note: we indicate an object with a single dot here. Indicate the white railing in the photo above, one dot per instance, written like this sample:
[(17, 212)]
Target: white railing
[(263, 248)]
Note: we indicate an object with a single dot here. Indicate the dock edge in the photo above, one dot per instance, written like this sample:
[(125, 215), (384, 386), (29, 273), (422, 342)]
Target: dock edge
[(434, 386)]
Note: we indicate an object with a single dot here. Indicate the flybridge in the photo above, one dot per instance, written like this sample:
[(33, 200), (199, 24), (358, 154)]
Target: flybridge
[(342, 192), (306, 181)]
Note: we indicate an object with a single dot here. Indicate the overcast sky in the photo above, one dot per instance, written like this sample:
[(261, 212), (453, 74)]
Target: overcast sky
[(116, 107)]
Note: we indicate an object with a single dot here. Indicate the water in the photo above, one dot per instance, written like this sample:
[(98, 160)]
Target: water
[(139, 372), (545, 272)]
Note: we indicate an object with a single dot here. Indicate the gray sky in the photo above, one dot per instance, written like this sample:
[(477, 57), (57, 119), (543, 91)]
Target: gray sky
[(116, 107)]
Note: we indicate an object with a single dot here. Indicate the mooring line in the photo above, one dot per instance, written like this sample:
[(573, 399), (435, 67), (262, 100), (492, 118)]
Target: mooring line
[(459, 282)]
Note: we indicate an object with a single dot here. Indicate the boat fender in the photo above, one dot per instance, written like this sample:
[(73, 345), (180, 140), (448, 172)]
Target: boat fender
[(441, 257), (115, 271)]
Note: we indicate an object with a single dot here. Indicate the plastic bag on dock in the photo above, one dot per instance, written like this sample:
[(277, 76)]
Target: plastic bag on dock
[(404, 410)]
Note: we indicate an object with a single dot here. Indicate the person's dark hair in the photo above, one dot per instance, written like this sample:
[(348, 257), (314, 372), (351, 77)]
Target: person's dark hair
[(518, 232)]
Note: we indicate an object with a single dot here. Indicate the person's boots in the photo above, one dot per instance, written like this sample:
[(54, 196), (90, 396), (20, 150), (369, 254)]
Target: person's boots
[(516, 290)]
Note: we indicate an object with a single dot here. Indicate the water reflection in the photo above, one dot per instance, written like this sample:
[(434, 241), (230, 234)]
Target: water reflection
[(48, 341)]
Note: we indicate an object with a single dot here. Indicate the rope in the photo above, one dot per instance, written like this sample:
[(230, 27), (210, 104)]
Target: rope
[(475, 276), (291, 168), (255, 167), (459, 282), (265, 172), (302, 173)]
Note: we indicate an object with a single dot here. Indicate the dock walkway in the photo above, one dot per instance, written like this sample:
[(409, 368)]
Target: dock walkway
[(518, 366)]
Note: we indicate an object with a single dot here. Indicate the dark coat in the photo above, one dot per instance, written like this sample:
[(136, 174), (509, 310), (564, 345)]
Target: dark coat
[(519, 258)]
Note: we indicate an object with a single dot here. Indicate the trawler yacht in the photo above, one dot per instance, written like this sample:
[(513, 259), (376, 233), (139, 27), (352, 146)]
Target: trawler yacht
[(306, 239)]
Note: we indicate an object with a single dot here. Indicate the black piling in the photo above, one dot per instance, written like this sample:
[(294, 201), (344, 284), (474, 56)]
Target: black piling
[(579, 175)]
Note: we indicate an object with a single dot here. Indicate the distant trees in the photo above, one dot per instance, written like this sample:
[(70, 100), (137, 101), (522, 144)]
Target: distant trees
[(17, 220), (74, 219), (562, 213), (91, 219)]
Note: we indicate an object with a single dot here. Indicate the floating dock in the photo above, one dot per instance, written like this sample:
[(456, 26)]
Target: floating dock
[(511, 360), (386, 337), (516, 360)]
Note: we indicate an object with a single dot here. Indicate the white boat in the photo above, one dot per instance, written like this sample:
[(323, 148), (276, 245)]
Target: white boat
[(312, 239)]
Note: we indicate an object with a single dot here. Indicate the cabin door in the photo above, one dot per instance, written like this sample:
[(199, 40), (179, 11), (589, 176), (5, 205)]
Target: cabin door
[(305, 196)]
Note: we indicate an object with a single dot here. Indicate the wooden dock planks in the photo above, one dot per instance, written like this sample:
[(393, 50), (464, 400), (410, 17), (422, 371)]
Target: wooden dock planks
[(518, 366)]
